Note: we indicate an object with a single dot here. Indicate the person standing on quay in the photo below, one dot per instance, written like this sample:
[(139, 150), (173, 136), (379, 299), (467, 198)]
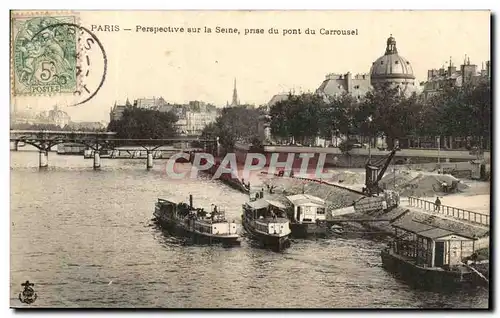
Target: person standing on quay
[(437, 204)]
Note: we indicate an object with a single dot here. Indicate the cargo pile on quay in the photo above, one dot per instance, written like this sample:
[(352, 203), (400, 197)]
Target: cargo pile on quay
[(413, 183)]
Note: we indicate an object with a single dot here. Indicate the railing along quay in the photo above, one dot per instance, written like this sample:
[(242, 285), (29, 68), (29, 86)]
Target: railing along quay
[(462, 214)]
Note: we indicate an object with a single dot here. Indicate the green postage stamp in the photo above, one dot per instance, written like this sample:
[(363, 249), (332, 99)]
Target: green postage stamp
[(44, 54)]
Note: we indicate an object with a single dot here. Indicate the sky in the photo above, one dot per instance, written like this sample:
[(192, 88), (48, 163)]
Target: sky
[(181, 67)]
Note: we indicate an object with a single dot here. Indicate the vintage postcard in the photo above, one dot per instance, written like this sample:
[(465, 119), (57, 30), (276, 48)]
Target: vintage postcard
[(250, 159)]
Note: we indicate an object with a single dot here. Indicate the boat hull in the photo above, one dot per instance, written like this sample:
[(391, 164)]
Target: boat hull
[(304, 230), (177, 229), (274, 242), (424, 277)]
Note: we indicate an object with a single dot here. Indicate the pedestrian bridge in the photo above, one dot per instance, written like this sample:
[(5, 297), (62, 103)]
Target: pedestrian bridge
[(24, 135), (44, 140)]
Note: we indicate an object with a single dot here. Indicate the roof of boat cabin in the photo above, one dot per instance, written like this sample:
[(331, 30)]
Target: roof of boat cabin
[(305, 199), (264, 203), (166, 201), (433, 226), (435, 233)]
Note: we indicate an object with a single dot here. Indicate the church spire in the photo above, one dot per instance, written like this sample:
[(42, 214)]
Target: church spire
[(235, 95)]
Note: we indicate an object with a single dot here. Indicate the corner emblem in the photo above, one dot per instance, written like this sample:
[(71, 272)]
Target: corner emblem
[(28, 295)]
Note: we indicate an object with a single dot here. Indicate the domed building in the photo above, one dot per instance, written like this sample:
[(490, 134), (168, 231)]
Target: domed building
[(392, 69)]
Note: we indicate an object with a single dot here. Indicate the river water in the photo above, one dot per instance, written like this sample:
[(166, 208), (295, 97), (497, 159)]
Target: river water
[(85, 238)]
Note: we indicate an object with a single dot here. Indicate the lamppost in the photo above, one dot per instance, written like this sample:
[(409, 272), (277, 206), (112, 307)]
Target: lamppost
[(369, 119), (439, 153), (394, 178)]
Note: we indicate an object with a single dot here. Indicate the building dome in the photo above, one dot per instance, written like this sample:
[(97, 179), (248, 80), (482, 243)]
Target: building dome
[(391, 68)]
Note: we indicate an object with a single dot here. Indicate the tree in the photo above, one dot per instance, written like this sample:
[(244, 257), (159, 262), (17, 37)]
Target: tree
[(479, 98), (337, 116), (234, 124), (459, 111), (346, 146), (299, 116), (391, 112), (139, 123)]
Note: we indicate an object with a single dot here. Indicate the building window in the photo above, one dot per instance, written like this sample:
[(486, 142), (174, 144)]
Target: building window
[(382, 62), (397, 62)]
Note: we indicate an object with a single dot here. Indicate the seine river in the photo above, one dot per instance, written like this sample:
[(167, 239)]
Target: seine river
[(85, 239)]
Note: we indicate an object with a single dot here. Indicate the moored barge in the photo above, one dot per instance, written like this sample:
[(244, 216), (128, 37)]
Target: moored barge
[(431, 251)]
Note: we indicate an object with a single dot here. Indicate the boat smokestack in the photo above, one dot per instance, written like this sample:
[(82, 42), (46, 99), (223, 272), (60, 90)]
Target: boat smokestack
[(190, 201)]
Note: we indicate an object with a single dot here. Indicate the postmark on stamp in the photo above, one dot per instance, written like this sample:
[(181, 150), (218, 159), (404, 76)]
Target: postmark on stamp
[(44, 59)]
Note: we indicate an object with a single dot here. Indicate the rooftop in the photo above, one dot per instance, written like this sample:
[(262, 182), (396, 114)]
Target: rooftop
[(434, 226), (301, 199)]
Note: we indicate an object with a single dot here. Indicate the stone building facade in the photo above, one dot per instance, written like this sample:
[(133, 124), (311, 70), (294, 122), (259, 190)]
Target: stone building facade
[(439, 79), (335, 85)]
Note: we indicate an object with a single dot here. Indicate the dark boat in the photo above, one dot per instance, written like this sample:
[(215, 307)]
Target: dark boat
[(430, 251), (265, 221), (438, 276), (227, 176), (70, 149), (202, 226)]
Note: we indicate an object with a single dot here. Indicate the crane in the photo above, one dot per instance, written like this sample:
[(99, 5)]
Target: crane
[(375, 172)]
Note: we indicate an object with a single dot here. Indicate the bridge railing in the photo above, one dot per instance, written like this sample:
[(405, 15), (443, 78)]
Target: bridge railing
[(462, 214)]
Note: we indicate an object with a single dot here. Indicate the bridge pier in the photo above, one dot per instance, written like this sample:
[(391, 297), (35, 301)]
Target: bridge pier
[(149, 161), (43, 159), (97, 160)]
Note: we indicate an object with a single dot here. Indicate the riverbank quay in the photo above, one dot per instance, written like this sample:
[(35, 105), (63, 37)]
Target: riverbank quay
[(357, 157)]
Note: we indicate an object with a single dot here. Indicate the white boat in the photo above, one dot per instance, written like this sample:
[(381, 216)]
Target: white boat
[(265, 220)]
